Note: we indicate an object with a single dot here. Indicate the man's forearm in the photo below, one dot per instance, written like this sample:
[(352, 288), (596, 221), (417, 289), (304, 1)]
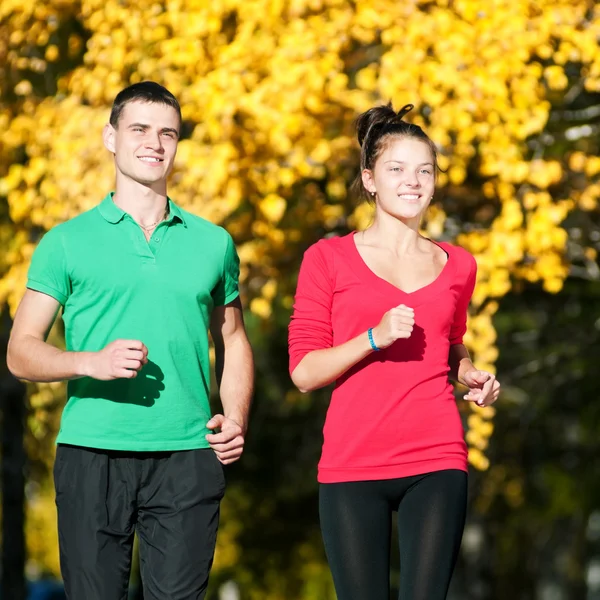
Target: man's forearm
[(235, 375), (32, 359)]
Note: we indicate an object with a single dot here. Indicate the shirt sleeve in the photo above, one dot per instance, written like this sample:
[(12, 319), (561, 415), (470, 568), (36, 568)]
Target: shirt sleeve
[(48, 272), (310, 326), (228, 287), (459, 324)]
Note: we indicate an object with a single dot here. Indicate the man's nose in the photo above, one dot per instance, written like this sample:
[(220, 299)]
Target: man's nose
[(155, 142)]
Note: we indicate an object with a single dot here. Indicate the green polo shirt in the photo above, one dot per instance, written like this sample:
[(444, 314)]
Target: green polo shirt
[(113, 284)]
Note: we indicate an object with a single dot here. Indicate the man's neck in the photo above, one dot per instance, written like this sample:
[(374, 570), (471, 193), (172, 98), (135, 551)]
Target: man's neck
[(144, 203)]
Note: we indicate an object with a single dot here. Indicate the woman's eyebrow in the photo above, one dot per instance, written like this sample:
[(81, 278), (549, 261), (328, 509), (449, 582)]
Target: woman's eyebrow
[(401, 162)]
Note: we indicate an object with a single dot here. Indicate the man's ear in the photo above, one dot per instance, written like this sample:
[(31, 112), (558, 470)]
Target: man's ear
[(108, 135)]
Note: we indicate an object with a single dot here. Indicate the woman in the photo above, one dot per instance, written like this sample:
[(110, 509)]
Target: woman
[(382, 312)]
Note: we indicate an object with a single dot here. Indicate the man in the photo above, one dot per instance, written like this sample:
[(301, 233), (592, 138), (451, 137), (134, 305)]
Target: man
[(140, 282)]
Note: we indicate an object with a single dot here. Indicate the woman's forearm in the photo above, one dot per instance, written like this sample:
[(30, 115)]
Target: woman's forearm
[(459, 361), (321, 367)]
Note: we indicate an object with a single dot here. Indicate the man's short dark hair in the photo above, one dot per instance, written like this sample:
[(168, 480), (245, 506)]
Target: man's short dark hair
[(145, 91)]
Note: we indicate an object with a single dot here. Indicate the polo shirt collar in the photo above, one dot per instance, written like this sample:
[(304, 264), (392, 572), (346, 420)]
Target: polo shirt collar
[(113, 214), (175, 212), (109, 210)]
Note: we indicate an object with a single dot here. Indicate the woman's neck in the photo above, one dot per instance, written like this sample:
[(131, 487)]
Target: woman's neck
[(398, 236)]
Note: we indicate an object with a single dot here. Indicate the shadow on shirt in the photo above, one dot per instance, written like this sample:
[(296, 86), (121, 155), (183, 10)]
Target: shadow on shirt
[(403, 350), (143, 390), (411, 349)]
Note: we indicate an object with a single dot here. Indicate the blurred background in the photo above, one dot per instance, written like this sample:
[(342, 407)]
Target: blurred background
[(510, 92)]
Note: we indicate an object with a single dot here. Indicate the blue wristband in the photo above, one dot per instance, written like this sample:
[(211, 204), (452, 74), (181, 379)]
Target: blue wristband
[(372, 341)]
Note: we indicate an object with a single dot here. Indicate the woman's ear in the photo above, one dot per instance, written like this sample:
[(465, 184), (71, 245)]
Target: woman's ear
[(368, 181)]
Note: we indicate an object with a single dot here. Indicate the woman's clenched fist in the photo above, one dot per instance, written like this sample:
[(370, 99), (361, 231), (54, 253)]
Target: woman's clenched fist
[(397, 323)]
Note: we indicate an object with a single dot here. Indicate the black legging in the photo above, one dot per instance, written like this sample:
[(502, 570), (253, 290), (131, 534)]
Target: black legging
[(356, 520)]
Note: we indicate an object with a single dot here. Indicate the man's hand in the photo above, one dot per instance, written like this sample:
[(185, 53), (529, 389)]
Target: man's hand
[(483, 387), (121, 359), (228, 444)]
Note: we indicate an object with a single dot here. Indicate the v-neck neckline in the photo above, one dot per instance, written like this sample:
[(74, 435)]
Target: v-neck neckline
[(424, 291)]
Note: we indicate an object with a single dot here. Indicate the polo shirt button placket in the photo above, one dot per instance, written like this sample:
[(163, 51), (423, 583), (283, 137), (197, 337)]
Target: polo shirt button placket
[(154, 240)]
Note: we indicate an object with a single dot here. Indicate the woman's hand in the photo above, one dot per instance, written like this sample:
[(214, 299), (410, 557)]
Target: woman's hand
[(397, 323), (484, 388)]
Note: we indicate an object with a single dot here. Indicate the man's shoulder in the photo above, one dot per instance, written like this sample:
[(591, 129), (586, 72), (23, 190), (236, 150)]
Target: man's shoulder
[(82, 224), (210, 231)]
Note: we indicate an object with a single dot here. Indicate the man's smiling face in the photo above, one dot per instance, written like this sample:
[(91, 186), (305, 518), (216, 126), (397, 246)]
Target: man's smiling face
[(145, 141)]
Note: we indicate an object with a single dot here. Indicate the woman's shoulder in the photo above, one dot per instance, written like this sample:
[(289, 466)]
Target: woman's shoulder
[(334, 241), (328, 246), (457, 252), (460, 256)]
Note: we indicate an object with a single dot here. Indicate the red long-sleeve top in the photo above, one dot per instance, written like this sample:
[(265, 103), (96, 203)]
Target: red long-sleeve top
[(393, 414)]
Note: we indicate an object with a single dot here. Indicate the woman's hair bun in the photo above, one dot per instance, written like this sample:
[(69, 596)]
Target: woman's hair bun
[(404, 110), (379, 116), (373, 118)]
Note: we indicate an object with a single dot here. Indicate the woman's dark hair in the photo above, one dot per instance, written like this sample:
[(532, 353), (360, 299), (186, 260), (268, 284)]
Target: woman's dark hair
[(145, 91), (374, 129)]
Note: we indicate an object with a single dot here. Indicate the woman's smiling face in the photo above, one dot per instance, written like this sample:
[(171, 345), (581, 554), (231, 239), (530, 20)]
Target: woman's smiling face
[(403, 178)]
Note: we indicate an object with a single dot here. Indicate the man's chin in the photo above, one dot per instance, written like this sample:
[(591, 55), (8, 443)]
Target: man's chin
[(145, 178), (148, 181)]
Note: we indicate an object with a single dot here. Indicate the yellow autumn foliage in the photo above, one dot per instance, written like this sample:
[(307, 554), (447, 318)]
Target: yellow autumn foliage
[(269, 90)]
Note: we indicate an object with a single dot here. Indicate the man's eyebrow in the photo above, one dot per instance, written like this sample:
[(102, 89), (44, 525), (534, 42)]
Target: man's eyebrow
[(146, 127), (170, 130)]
